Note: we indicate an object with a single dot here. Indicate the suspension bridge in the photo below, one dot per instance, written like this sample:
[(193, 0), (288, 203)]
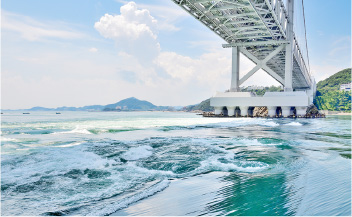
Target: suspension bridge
[(263, 31)]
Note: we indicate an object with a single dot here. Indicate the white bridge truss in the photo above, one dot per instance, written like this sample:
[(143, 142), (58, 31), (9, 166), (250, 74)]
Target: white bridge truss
[(260, 30)]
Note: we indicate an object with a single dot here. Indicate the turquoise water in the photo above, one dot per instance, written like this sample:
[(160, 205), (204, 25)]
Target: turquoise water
[(162, 163)]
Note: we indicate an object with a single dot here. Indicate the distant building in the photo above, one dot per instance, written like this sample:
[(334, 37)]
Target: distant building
[(118, 108), (345, 87)]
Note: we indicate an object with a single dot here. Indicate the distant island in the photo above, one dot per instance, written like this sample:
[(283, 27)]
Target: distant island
[(129, 104), (134, 104), (333, 94)]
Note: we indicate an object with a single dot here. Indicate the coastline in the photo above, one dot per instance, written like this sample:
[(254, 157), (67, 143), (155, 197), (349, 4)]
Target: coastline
[(340, 114)]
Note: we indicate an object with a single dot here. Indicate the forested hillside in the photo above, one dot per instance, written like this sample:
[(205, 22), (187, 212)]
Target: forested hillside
[(329, 97), (203, 106)]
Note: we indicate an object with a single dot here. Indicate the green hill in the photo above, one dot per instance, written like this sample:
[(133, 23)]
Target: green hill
[(203, 106), (131, 104), (329, 97), (333, 82)]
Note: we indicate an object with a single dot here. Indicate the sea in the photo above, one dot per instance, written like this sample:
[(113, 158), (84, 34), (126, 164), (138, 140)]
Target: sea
[(173, 163)]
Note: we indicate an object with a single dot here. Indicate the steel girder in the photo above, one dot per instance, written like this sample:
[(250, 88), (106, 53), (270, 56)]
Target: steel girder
[(254, 25)]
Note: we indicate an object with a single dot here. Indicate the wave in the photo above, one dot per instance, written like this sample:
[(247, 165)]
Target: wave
[(110, 205), (4, 139), (68, 145), (113, 130), (241, 166), (137, 153), (270, 124), (113, 207), (234, 123), (77, 130), (294, 124)]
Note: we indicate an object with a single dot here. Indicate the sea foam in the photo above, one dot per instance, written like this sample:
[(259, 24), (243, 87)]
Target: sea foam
[(294, 124), (137, 153)]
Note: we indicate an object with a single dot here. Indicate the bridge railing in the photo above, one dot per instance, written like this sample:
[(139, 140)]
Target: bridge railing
[(299, 58), (278, 7)]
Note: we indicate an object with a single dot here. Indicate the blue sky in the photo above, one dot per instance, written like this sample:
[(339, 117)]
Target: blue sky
[(84, 52)]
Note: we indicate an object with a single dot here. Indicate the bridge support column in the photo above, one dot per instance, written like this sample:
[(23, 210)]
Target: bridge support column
[(244, 110), (271, 111), (286, 111), (231, 110), (235, 79), (218, 110), (301, 110), (288, 68)]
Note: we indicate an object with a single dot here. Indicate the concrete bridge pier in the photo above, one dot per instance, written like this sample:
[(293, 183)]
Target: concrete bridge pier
[(231, 110), (218, 110), (271, 111), (244, 111), (242, 103), (301, 110), (286, 111)]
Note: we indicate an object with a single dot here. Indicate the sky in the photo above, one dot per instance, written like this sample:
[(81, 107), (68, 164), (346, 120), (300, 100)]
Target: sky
[(90, 52)]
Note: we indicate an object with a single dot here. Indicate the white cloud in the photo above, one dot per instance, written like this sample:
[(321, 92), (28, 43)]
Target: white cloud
[(93, 49), (33, 30), (167, 12), (134, 31), (132, 23)]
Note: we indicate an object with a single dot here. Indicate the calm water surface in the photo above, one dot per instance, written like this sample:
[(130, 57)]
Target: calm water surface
[(161, 163)]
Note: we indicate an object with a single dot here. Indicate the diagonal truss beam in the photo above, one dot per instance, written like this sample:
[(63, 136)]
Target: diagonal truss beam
[(261, 64)]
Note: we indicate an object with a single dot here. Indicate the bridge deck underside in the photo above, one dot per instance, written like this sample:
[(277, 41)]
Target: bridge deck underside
[(243, 21)]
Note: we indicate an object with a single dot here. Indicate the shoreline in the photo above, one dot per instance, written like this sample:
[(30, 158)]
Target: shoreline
[(340, 114)]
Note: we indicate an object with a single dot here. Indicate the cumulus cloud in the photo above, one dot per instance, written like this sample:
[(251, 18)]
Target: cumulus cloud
[(167, 12), (132, 23), (134, 31)]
